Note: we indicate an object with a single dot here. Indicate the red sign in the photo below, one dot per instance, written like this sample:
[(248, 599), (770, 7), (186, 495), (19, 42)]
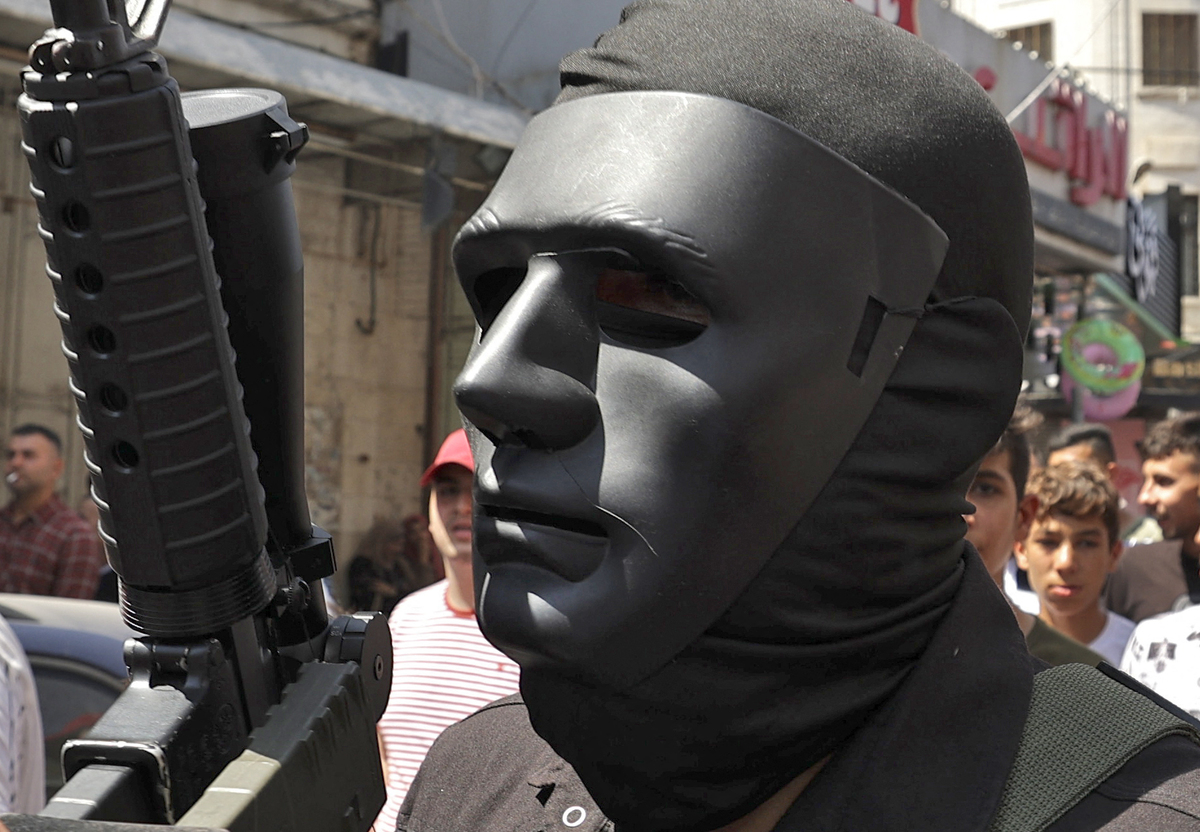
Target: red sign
[(1057, 136), (901, 12)]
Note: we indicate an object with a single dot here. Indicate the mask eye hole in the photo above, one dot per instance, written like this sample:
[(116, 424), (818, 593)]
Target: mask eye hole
[(493, 289), (644, 308)]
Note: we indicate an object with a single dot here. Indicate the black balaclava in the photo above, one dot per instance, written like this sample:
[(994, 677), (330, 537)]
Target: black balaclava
[(843, 609)]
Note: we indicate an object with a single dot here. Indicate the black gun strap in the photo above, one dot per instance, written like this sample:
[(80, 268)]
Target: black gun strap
[(1083, 725)]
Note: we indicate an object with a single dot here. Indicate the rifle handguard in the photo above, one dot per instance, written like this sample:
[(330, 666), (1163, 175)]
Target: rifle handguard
[(145, 334)]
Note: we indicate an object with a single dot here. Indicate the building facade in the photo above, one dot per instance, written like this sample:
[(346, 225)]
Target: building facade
[(1143, 55)]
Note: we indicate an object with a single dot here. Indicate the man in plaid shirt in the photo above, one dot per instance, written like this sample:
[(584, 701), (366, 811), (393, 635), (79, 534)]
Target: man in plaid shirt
[(45, 547)]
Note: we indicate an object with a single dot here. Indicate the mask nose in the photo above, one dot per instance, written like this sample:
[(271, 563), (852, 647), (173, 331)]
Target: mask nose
[(530, 379)]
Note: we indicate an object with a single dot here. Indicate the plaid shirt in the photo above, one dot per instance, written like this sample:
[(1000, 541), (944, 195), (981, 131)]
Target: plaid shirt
[(50, 552)]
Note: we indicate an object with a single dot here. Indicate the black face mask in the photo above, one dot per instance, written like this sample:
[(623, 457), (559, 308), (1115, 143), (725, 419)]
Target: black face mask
[(719, 475), (687, 311)]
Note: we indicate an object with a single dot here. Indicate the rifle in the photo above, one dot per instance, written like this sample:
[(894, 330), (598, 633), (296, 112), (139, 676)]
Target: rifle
[(248, 709)]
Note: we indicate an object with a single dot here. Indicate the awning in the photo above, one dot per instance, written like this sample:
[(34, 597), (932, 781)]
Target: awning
[(320, 88)]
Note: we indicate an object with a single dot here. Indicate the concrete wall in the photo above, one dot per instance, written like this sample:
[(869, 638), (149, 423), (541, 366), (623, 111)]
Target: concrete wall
[(33, 370), (1088, 35), (365, 393)]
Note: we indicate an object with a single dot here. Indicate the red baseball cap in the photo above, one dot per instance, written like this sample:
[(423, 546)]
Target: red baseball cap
[(454, 451)]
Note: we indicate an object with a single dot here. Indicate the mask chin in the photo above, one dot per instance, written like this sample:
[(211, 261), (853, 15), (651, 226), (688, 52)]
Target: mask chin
[(694, 456)]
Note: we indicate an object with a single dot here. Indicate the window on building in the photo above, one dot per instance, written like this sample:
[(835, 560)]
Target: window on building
[(1169, 50), (1037, 37)]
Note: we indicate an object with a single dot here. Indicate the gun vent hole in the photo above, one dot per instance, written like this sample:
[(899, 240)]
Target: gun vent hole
[(102, 339), (62, 152), (125, 454), (76, 217), (88, 279), (113, 399)]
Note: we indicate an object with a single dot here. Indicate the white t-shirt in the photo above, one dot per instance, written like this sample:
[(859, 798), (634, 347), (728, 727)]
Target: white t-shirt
[(1112, 639), (1023, 599), (22, 749), (1164, 655), (443, 670)]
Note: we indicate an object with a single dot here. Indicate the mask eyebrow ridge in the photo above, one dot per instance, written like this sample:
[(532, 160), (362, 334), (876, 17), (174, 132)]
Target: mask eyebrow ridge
[(610, 217), (622, 216)]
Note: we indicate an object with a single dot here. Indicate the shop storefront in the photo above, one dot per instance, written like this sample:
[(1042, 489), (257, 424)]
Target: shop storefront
[(1104, 344)]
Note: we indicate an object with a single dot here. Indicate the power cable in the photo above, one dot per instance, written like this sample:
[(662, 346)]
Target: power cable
[(478, 75), (1057, 71), (512, 33)]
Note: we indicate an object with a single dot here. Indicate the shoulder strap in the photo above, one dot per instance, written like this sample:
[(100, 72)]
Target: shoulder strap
[(1084, 723)]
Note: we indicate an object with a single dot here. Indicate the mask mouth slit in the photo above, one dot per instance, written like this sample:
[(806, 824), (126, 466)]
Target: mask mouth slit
[(521, 515), (868, 328)]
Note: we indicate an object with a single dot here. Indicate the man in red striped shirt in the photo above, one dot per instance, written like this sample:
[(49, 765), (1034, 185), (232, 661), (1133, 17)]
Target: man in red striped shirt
[(45, 547), (443, 669)]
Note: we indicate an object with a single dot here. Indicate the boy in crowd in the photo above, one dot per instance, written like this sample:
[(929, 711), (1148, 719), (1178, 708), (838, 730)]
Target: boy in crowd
[(1003, 514), (1083, 443), (1164, 655), (1162, 577), (1090, 442), (1071, 549)]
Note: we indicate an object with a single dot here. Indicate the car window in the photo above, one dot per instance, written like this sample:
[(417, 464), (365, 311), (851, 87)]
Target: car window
[(72, 696)]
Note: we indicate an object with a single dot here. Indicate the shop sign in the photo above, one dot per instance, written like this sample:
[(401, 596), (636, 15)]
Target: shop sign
[(1168, 368), (1151, 274), (1057, 136), (1178, 371), (903, 13), (1141, 250), (1103, 362)]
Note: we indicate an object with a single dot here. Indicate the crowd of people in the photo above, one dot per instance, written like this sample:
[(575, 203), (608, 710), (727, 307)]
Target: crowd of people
[(416, 569), (1051, 533), (1057, 539)]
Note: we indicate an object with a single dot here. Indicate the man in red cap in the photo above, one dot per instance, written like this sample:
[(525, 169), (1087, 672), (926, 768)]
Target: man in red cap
[(449, 478), (443, 669)]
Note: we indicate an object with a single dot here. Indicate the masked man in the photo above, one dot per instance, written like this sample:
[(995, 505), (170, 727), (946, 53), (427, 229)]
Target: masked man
[(751, 299)]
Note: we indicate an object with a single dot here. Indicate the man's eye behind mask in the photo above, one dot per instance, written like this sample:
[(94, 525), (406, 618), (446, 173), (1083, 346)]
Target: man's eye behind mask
[(637, 305), (645, 308)]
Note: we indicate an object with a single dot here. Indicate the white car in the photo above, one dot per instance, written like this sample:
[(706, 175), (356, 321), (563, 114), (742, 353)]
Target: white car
[(76, 650)]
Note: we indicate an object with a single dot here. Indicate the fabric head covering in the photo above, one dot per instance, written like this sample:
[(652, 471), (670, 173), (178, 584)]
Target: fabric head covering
[(842, 610)]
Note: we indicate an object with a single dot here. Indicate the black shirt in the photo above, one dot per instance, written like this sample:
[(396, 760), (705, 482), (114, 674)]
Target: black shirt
[(935, 757)]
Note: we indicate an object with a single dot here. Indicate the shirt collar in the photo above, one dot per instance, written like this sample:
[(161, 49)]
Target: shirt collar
[(40, 515)]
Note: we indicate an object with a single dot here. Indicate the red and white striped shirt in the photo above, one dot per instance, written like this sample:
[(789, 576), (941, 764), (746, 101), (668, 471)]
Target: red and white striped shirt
[(442, 671)]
